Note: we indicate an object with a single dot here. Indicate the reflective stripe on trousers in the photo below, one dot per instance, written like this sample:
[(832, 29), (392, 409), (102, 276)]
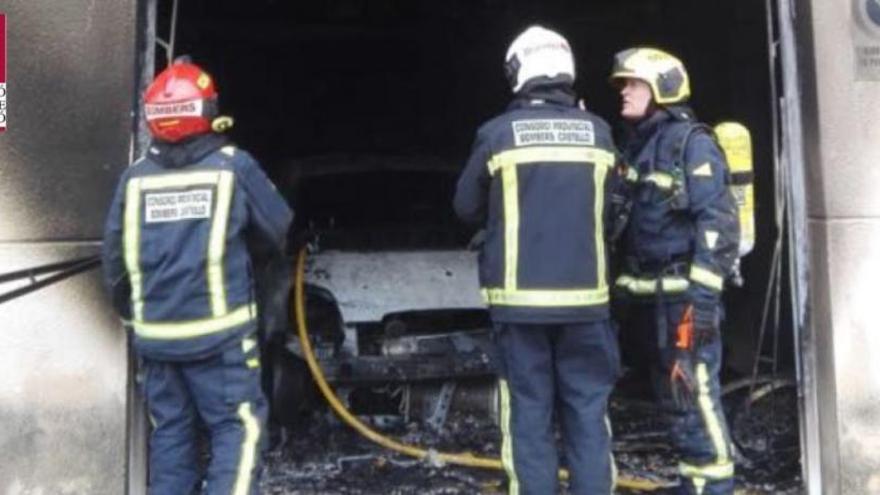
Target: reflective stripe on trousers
[(573, 368), (222, 393), (700, 432)]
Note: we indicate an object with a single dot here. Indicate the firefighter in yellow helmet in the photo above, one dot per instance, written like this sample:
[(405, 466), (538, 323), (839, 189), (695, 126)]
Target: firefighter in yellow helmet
[(679, 246)]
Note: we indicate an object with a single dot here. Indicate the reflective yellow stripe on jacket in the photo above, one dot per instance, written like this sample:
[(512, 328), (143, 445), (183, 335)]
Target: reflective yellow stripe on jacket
[(131, 242), (221, 318), (173, 330), (647, 286), (662, 180), (672, 284), (707, 277), (507, 162)]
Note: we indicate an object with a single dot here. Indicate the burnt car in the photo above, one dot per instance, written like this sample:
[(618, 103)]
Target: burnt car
[(392, 301)]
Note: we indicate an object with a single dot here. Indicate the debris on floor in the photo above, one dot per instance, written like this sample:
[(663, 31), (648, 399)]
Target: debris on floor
[(325, 457)]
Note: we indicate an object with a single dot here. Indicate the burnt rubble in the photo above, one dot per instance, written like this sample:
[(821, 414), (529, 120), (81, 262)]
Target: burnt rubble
[(324, 456)]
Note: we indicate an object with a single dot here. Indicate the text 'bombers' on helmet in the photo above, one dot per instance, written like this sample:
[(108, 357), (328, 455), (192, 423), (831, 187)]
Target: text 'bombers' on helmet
[(180, 102), (538, 52), (663, 72)]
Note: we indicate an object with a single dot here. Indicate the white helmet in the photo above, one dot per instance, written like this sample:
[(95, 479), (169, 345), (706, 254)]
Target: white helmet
[(538, 52)]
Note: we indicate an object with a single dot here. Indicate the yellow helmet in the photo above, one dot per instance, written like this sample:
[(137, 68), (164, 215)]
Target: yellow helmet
[(664, 73)]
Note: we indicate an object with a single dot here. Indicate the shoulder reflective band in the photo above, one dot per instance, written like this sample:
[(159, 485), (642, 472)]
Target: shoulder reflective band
[(553, 154), (195, 328), (706, 277), (645, 286), (224, 182), (546, 298)]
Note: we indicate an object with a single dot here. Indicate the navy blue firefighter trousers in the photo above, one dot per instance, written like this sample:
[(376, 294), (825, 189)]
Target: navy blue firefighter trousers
[(220, 395), (571, 368), (699, 431)]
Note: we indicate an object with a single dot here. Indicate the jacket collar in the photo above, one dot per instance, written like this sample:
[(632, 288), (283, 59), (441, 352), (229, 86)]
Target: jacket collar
[(638, 134), (561, 94), (186, 152)]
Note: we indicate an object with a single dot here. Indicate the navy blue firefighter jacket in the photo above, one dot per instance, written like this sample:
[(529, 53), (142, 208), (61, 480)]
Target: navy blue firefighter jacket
[(683, 214), (176, 245), (537, 178)]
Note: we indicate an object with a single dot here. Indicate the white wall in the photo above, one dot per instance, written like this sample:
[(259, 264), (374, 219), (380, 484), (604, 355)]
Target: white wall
[(843, 194), (63, 358)]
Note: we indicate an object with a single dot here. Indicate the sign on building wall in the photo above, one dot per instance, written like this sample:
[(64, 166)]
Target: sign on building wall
[(866, 39), (2, 72)]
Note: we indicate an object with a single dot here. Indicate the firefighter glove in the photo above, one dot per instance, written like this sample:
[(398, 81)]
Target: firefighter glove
[(706, 321)]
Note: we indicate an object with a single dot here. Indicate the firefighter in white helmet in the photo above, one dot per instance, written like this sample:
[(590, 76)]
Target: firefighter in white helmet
[(536, 181)]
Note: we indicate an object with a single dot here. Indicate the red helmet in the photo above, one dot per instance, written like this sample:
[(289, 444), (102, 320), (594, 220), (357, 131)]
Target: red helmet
[(180, 102)]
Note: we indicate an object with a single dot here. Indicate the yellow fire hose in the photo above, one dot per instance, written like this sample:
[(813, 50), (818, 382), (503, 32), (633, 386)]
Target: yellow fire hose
[(461, 459)]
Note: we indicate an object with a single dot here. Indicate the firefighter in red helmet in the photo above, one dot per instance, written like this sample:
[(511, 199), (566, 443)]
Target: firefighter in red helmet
[(181, 103), (177, 249)]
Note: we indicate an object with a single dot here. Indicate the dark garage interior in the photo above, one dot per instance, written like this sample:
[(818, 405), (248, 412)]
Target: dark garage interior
[(363, 112)]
